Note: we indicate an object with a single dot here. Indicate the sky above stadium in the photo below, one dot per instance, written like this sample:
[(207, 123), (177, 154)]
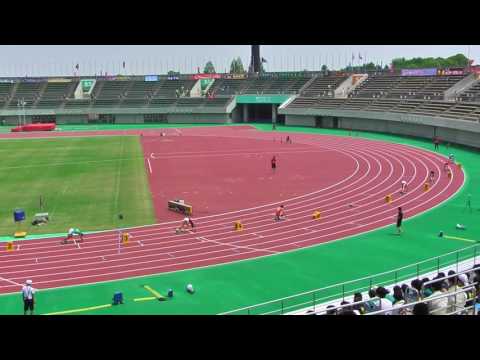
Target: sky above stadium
[(61, 60)]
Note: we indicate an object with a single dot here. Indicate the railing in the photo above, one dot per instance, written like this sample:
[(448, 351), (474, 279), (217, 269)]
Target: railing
[(311, 299), (450, 307)]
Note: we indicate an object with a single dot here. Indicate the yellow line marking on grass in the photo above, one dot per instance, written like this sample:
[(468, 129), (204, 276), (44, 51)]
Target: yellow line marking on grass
[(145, 298), (154, 292), (459, 238), (80, 310)]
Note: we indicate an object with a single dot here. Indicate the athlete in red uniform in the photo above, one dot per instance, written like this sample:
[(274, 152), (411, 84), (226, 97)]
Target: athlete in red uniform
[(280, 213), (446, 166)]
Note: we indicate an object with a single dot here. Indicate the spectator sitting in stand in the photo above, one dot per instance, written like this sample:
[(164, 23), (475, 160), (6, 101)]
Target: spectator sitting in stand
[(426, 290), (372, 305), (455, 302), (347, 312), (397, 295), (420, 309), (444, 281), (385, 303), (412, 294), (344, 309), (331, 311), (438, 306), (398, 301), (360, 308)]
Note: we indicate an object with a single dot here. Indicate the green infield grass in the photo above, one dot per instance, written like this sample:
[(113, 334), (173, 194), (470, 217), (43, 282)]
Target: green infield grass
[(84, 183)]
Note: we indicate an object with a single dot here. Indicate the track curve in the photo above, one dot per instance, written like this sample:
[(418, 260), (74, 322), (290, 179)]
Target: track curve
[(350, 206)]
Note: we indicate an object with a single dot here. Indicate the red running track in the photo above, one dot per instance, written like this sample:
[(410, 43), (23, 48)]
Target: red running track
[(351, 200)]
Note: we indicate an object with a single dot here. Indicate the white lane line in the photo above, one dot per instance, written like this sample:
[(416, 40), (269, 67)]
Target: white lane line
[(304, 222), (162, 266), (236, 247), (260, 236), (169, 156), (10, 281), (141, 244), (147, 228), (149, 166), (222, 239)]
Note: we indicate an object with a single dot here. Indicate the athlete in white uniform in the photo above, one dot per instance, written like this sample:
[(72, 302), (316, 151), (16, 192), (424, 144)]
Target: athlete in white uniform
[(71, 233), (186, 224)]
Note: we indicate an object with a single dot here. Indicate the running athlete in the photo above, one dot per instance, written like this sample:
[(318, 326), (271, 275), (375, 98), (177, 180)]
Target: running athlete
[(280, 213), (432, 177), (451, 158), (404, 187), (399, 220), (274, 163), (446, 167)]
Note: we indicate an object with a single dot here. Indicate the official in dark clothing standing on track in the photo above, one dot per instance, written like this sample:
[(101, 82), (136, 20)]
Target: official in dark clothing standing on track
[(399, 220), (274, 163)]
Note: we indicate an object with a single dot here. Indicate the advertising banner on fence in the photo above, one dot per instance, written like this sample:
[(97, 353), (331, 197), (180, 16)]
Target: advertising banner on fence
[(286, 75), (419, 72), (107, 77), (151, 77), (206, 76), (58, 80), (6, 81), (34, 80), (234, 76), (475, 69), (451, 71), (172, 75)]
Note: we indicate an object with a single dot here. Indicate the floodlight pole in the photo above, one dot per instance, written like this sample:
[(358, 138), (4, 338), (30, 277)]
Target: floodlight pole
[(24, 113), (19, 113)]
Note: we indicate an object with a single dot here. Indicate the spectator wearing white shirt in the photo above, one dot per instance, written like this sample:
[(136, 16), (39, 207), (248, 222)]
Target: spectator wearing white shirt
[(28, 295), (438, 306), (385, 304), (457, 301)]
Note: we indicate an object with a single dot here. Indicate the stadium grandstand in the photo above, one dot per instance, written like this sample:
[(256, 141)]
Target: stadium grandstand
[(366, 127), (377, 92)]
